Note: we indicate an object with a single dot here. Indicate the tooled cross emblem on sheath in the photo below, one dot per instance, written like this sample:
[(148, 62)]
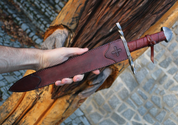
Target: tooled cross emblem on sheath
[(116, 51)]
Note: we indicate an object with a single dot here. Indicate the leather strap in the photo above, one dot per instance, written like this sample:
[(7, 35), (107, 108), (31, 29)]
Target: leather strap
[(151, 43)]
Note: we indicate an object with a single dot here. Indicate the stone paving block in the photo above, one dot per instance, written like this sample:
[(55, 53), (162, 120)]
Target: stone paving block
[(174, 88), (166, 108), (84, 120), (137, 117), (62, 124), (149, 119), (168, 84), (148, 85), (114, 102), (145, 61), (77, 121), (118, 119), (99, 99), (109, 93), (137, 65), (157, 123), (172, 70), (102, 111), (163, 79), (128, 114), (107, 107), (165, 44), (142, 110), (141, 75), (170, 100), (157, 73), (174, 117), (136, 123), (176, 31), (131, 103), (88, 109), (61, 4), (175, 109), (73, 116), (142, 94), (176, 61), (38, 41), (135, 97), (78, 112), (24, 27), (157, 101), (2, 84), (34, 37), (153, 89), (161, 116), (10, 79), (158, 47), (148, 104), (166, 62), (95, 117), (176, 77), (172, 46), (175, 54), (123, 94), (1, 77), (116, 86), (129, 80), (107, 122), (169, 122), (122, 107)]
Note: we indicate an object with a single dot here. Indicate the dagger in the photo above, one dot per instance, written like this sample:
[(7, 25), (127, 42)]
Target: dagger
[(102, 56)]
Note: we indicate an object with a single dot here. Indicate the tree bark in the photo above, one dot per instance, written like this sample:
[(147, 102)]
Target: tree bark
[(89, 24)]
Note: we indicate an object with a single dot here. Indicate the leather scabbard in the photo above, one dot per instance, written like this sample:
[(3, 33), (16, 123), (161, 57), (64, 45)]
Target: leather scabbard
[(102, 56)]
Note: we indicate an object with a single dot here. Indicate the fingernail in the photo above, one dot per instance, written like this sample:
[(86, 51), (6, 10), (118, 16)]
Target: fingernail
[(77, 80), (86, 48), (65, 82), (59, 83)]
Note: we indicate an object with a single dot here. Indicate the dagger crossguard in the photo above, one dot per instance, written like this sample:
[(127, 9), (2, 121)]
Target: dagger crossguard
[(121, 33)]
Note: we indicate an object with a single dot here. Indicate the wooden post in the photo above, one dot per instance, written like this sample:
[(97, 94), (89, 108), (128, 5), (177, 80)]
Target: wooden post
[(89, 24)]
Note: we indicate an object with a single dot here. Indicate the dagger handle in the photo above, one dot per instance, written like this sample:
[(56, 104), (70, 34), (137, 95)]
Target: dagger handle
[(148, 40)]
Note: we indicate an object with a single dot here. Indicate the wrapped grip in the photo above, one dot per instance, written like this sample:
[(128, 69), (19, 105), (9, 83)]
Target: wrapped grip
[(148, 40)]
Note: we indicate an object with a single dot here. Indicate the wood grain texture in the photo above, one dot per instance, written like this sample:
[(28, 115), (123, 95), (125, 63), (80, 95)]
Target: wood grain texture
[(97, 26)]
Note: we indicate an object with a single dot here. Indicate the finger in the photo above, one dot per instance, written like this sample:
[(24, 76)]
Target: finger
[(58, 83), (78, 78), (96, 72), (75, 51), (66, 81), (63, 82)]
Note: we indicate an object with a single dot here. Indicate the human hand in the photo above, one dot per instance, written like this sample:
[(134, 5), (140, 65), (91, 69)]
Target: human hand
[(53, 57)]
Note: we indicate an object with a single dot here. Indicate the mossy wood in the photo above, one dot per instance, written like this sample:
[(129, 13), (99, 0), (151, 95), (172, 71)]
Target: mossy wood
[(90, 24)]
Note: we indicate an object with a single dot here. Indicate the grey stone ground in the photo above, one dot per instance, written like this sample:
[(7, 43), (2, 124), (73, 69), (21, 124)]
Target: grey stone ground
[(150, 98)]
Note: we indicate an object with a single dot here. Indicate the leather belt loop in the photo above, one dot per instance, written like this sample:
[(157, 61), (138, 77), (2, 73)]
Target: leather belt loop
[(151, 43)]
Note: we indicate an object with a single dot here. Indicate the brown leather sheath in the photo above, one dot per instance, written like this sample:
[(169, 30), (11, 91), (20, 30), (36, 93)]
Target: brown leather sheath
[(102, 56)]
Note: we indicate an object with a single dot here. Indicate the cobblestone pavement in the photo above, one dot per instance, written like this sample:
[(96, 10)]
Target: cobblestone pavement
[(150, 98)]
